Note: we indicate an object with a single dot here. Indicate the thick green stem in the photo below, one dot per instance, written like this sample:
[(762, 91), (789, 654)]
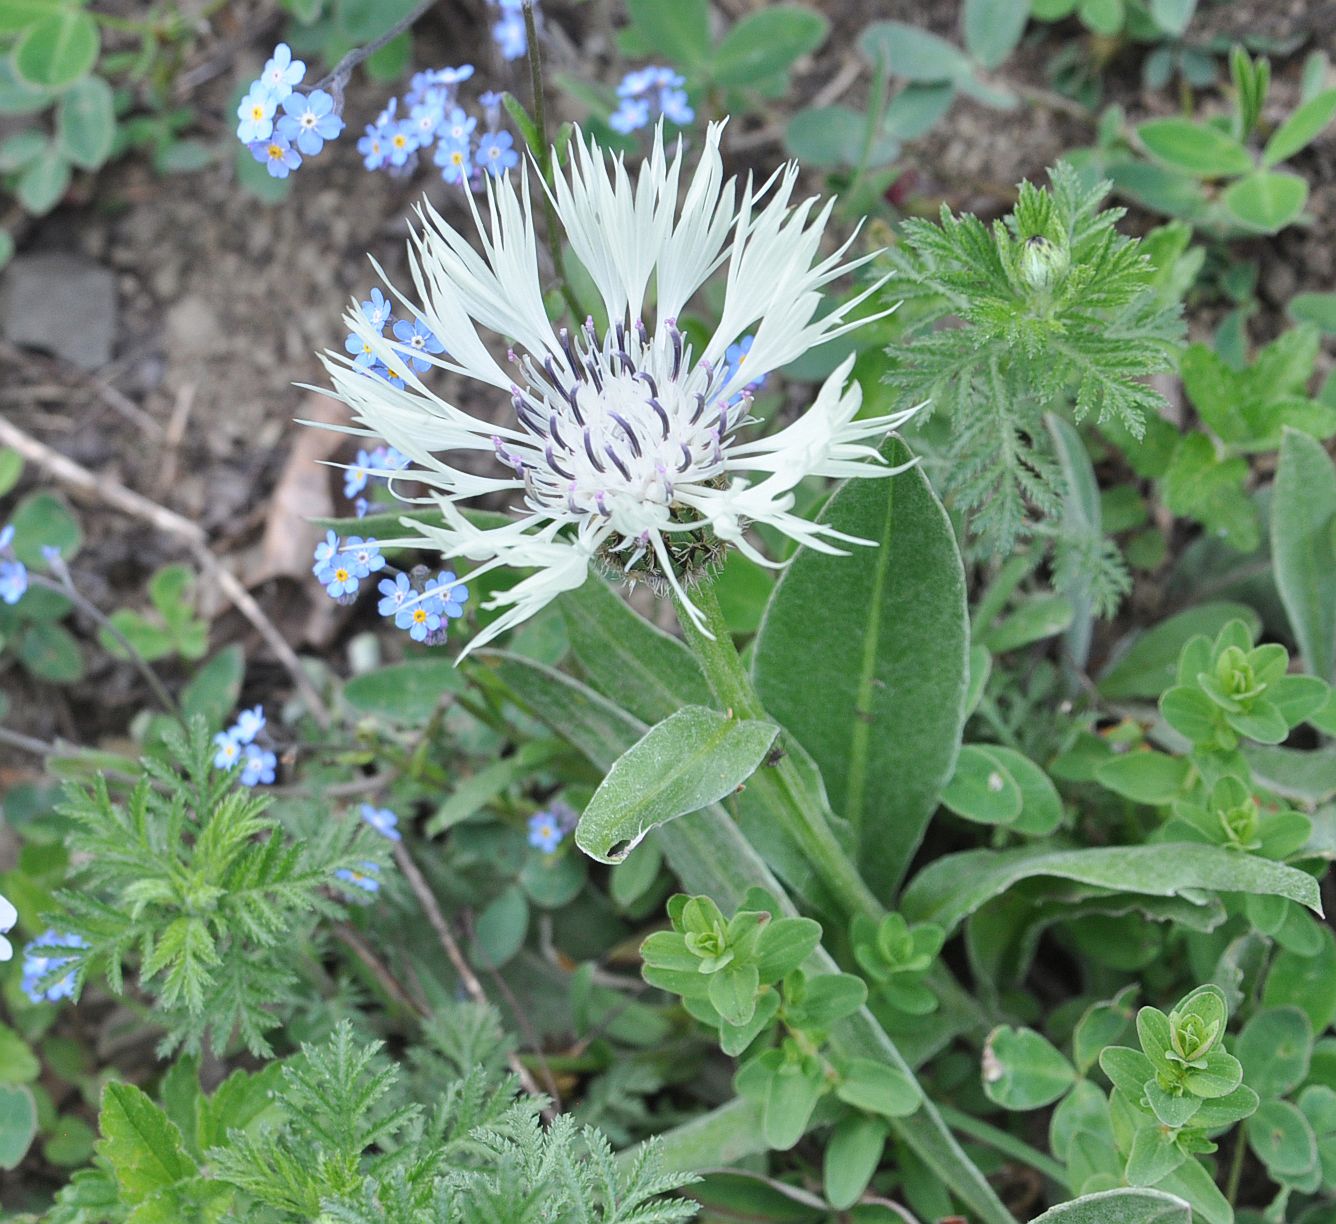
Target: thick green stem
[(780, 785)]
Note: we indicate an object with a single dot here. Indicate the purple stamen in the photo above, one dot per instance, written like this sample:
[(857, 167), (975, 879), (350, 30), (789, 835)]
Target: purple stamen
[(616, 459), (589, 450), (630, 433)]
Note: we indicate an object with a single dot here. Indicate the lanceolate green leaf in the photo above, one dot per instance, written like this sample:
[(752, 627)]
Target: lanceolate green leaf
[(1302, 511), (141, 1143), (689, 761), (864, 659), (953, 887)]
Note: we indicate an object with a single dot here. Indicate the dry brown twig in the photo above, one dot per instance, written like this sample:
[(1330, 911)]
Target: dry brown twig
[(110, 492), (427, 899)]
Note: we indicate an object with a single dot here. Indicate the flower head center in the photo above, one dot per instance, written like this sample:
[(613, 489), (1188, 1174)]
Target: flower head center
[(611, 426)]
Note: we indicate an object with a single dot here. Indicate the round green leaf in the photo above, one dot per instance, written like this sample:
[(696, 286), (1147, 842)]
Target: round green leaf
[(1195, 147), (993, 28), (1172, 16), (17, 96), (18, 150), (1023, 1070), (982, 788), (501, 928), (42, 184), (49, 652), (18, 1124), (86, 123), (1267, 200), (57, 50), (1316, 308), (404, 692), (1308, 982), (42, 520), (551, 880), (1282, 1139), (1145, 777), (1102, 16), (1275, 1048), (1041, 808), (907, 51), (877, 1088), (767, 41)]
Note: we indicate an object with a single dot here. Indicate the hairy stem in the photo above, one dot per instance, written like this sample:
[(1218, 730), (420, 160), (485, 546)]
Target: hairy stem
[(339, 74), (780, 784)]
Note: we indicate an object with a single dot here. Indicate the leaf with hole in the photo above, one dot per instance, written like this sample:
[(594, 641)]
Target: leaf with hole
[(1022, 1069), (688, 761)]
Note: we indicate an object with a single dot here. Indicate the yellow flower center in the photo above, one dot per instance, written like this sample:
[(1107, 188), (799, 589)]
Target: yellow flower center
[(419, 615), (257, 111), (341, 575), (400, 140), (276, 152)]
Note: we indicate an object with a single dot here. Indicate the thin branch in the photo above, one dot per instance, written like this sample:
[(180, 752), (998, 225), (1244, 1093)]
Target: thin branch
[(115, 399), (63, 584), (427, 899), (338, 76), (380, 971), (81, 480)]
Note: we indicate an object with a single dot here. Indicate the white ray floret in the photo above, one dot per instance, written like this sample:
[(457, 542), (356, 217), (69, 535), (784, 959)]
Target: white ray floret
[(620, 446)]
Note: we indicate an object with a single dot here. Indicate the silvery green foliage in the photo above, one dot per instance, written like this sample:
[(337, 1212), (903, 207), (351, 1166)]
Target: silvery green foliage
[(1055, 306)]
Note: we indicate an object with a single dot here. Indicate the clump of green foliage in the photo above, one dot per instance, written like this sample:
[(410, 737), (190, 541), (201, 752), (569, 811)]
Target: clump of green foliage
[(206, 897), (1049, 306)]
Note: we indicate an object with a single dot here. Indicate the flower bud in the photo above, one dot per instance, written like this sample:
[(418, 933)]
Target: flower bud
[(1043, 262)]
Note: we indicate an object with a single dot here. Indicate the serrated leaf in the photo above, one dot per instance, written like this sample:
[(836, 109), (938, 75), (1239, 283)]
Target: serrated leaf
[(142, 1145)]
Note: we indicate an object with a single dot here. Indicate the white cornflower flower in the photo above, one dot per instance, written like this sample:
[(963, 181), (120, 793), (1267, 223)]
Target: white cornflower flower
[(625, 448)]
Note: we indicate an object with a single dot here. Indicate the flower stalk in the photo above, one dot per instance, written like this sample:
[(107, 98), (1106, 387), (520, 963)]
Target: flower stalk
[(780, 785)]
